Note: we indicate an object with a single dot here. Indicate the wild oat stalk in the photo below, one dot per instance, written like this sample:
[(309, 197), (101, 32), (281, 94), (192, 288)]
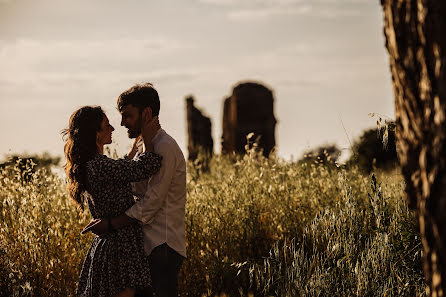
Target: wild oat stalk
[(294, 228)]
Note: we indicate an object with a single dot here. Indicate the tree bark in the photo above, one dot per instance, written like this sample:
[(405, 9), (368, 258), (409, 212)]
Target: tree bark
[(415, 32)]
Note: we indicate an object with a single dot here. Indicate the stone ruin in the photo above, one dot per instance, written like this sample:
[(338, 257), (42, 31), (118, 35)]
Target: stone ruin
[(198, 131), (250, 108)]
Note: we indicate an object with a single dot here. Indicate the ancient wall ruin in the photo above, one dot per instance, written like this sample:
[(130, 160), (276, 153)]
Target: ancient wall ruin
[(250, 108), (198, 130)]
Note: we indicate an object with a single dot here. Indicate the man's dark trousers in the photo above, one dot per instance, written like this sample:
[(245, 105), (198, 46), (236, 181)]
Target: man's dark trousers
[(165, 264)]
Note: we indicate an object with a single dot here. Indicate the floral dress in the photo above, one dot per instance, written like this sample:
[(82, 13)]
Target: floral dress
[(117, 260)]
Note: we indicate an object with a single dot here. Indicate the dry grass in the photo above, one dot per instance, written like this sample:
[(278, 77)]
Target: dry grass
[(254, 225)]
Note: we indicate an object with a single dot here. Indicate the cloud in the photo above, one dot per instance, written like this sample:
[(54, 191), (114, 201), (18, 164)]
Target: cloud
[(220, 2), (254, 3), (265, 9), (251, 3), (267, 12), (78, 61), (298, 83), (31, 52), (334, 13), (45, 81), (56, 70)]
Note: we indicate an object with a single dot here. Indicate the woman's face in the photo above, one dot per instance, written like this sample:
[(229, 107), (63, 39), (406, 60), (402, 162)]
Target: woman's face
[(104, 135)]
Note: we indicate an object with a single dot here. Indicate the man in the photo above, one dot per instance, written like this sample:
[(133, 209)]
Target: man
[(161, 200)]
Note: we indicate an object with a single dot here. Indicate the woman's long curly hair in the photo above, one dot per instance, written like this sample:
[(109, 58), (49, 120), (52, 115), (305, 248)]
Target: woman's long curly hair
[(80, 147)]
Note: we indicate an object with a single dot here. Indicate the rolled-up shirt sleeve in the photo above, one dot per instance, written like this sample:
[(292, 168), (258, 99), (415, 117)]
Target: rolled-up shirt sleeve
[(144, 209)]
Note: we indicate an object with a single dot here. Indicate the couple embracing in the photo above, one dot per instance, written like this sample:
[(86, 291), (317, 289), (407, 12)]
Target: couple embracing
[(137, 202)]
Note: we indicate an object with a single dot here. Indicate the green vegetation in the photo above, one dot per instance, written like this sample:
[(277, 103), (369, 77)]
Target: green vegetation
[(375, 148), (255, 226)]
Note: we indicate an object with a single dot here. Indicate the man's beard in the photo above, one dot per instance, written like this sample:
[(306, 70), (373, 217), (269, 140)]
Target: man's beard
[(136, 130)]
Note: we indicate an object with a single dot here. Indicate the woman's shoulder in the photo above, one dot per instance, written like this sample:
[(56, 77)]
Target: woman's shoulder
[(103, 162), (98, 161)]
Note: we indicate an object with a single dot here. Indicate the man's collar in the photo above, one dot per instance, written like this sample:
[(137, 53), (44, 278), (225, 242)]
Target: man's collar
[(158, 134)]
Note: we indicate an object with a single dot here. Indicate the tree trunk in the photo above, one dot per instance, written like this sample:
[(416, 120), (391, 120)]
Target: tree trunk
[(415, 32)]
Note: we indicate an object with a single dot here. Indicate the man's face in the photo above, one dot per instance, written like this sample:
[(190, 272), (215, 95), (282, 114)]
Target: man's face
[(131, 119)]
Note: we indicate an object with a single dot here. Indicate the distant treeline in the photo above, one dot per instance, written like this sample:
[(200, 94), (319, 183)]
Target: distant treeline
[(30, 163), (375, 148)]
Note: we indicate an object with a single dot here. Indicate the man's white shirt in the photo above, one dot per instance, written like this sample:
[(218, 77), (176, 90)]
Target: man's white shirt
[(161, 200)]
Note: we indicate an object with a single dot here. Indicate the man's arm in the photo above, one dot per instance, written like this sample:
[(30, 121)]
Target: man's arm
[(145, 209), (101, 227)]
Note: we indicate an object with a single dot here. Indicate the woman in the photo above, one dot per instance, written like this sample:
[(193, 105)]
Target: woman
[(115, 264)]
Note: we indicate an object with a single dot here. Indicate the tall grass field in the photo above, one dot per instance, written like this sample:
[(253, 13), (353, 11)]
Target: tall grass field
[(254, 227)]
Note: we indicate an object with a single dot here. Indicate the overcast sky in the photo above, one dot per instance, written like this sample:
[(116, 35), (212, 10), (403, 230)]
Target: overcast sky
[(324, 60)]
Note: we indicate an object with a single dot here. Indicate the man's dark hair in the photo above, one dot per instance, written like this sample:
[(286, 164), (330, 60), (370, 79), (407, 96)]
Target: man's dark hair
[(141, 96)]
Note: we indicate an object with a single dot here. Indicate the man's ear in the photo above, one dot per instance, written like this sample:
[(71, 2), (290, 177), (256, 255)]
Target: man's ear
[(147, 113)]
